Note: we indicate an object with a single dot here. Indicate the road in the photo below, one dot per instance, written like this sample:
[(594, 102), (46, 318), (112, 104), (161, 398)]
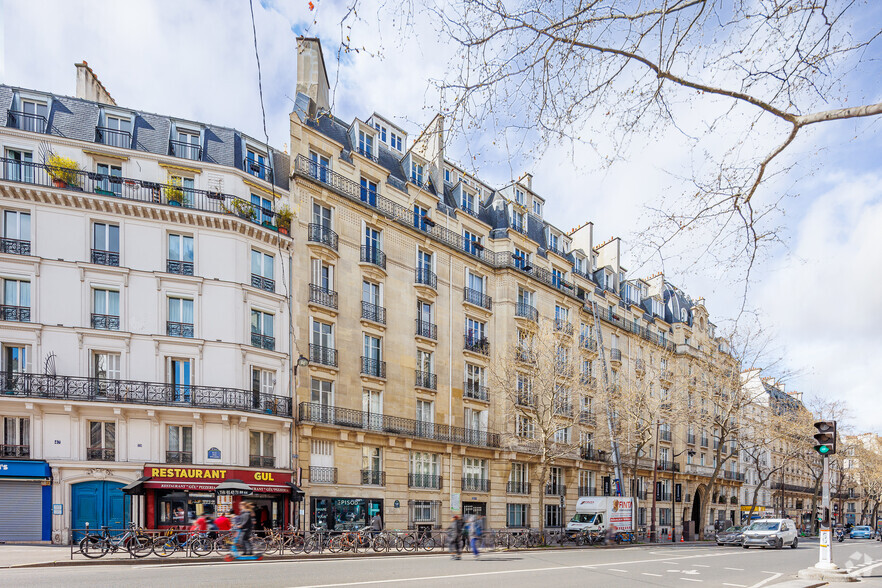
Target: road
[(623, 567)]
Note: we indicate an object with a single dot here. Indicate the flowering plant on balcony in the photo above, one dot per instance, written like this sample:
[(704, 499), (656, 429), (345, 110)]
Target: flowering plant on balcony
[(283, 218), (63, 170), (242, 208), (173, 191)]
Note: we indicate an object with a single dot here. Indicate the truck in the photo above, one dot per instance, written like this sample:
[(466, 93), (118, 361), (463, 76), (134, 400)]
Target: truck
[(601, 513)]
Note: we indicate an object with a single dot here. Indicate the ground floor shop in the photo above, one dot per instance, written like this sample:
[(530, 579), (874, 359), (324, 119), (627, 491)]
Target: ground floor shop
[(343, 514), (25, 501)]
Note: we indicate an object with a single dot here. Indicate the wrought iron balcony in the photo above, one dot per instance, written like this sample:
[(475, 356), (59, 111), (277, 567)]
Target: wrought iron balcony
[(26, 121), (20, 314), (317, 233), (373, 255), (322, 296), (667, 466), (182, 268), (526, 311), (563, 408), (15, 246), (373, 312), (105, 321), (258, 169), (588, 418), (528, 400), (525, 355), (262, 283), (639, 365), (476, 391), (478, 345), (113, 137), (615, 355), (373, 367), (592, 454), (261, 461), (563, 326), (589, 343), (366, 153), (426, 380), (101, 454), (475, 485), (175, 329), (185, 150), (178, 457), (373, 478), (426, 481), (666, 376), (477, 298), (517, 488), (426, 329), (263, 341), (312, 412), (15, 451), (322, 355), (555, 490), (587, 491), (101, 257), (729, 475), (426, 277), (322, 475)]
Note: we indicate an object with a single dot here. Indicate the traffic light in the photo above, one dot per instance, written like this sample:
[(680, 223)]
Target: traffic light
[(825, 437)]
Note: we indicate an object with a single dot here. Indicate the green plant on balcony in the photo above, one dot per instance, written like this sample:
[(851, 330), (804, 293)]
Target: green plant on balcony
[(174, 192), (283, 219), (242, 208), (62, 170)]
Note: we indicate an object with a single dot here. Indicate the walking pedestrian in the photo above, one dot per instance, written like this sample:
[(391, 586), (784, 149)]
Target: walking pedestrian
[(454, 537), (376, 525), (245, 526), (474, 531)]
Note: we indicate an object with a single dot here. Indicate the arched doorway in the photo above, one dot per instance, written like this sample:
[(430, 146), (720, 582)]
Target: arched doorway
[(696, 513)]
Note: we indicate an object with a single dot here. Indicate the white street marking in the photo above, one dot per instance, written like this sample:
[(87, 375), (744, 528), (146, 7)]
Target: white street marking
[(734, 569), (701, 566), (648, 574), (736, 585), (617, 570), (691, 580), (767, 580)]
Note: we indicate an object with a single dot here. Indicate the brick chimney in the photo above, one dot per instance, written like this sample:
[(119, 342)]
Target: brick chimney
[(312, 77), (89, 87)]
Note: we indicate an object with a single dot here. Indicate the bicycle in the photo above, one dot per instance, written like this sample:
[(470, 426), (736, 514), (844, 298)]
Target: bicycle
[(624, 537), (133, 540), (350, 541), (198, 543)]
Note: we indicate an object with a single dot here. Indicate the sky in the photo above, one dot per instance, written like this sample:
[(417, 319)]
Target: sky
[(818, 293)]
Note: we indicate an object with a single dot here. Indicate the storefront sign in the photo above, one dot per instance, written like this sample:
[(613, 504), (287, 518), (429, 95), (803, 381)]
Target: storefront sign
[(24, 469), (207, 479)]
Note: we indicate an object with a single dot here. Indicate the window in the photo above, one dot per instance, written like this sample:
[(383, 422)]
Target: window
[(106, 185), (372, 406), (519, 197), (395, 141), (468, 202), (519, 478), (117, 131), (537, 208), (416, 172), (180, 255), (16, 301), (263, 382), (105, 309), (187, 145), (522, 260), (105, 244), (180, 444), (14, 362), (16, 440), (517, 221), (322, 392), (553, 242), (525, 427), (262, 265), (321, 215), (179, 378), (372, 464), (557, 278), (563, 435), (475, 337), (372, 360), (34, 116), (368, 191), (262, 209), (381, 130), (185, 196), (525, 297), (475, 475), (474, 384), (447, 175), (517, 515), (102, 441), (180, 317), (256, 164), (322, 334), (525, 390), (260, 450), (19, 166), (420, 216), (105, 366), (424, 511), (424, 470), (473, 243), (425, 415), (16, 233), (586, 483), (366, 144), (319, 166), (262, 330), (552, 515)]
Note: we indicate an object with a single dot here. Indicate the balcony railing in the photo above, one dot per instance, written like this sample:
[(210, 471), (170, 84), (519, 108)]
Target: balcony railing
[(175, 329), (373, 255), (667, 466), (15, 246), (475, 485), (476, 391), (15, 451), (113, 137), (478, 345), (185, 150), (373, 478), (525, 355), (589, 343), (526, 311), (313, 412), (563, 408), (101, 257), (317, 233), (322, 475), (587, 491), (183, 268), (373, 312), (258, 169), (729, 475), (101, 454), (588, 418), (426, 481), (615, 355), (26, 121), (322, 296), (666, 375), (555, 490), (426, 329), (373, 367), (105, 321), (592, 454), (262, 283), (426, 380), (178, 457), (528, 400), (477, 298), (665, 435), (261, 461), (322, 355), (20, 314), (263, 341), (76, 388), (517, 488), (639, 365), (563, 326), (426, 277)]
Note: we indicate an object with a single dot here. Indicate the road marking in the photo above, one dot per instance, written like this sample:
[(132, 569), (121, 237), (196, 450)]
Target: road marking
[(860, 571), (701, 566), (691, 580), (617, 570), (767, 580), (649, 574), (736, 585), (734, 569)]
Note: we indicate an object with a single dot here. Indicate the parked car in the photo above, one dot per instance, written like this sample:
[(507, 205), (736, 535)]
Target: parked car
[(771, 533), (730, 536), (861, 532)]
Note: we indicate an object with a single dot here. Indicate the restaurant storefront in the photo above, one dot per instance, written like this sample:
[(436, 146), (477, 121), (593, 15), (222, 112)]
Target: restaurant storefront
[(178, 495), (343, 514)]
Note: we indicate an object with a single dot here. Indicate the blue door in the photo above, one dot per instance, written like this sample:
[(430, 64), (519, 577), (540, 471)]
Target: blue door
[(98, 503)]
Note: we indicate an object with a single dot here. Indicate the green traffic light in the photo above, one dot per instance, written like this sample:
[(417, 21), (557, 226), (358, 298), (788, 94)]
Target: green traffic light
[(823, 449)]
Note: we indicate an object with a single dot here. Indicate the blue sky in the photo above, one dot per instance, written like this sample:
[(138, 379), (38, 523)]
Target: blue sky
[(819, 292)]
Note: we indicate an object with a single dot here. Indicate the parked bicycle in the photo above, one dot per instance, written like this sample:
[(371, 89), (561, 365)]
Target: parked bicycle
[(197, 543), (137, 543)]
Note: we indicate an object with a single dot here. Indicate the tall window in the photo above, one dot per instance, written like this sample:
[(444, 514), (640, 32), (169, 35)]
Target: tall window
[(180, 317), (381, 131), (117, 131), (557, 277), (19, 166), (517, 221), (16, 233), (187, 145), (179, 378), (35, 115), (102, 441), (320, 166), (105, 366), (106, 184), (519, 478), (366, 144), (474, 384), (525, 426), (372, 245), (180, 255), (263, 209), (372, 407), (552, 515), (475, 473), (185, 195), (395, 141), (262, 271), (517, 515), (372, 464), (472, 242), (105, 309), (180, 444), (16, 301), (321, 215), (467, 202), (322, 334), (372, 364), (424, 464), (105, 244), (475, 332), (262, 330), (260, 450), (519, 197), (322, 392), (416, 172), (537, 208), (16, 441), (425, 417), (263, 382), (420, 214), (256, 164), (522, 260)]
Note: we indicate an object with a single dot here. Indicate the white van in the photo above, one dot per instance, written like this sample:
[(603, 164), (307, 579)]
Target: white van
[(599, 513)]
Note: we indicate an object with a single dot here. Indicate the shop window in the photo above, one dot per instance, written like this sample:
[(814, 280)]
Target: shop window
[(174, 507), (102, 441), (261, 453)]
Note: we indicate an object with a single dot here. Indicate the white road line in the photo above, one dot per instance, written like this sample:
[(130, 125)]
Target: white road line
[(767, 580), (691, 580), (617, 570), (736, 585), (701, 566), (862, 570), (650, 574), (734, 569)]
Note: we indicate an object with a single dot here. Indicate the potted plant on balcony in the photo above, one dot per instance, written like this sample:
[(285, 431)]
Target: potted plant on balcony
[(283, 219), (242, 208), (174, 194), (62, 170)]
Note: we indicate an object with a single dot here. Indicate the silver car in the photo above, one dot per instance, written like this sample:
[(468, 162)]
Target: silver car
[(771, 533)]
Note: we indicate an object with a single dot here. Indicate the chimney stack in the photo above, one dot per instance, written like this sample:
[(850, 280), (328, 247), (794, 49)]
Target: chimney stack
[(312, 77), (89, 87)]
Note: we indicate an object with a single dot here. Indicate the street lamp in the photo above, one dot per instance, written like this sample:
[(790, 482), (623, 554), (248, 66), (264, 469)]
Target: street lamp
[(690, 453), (302, 361)]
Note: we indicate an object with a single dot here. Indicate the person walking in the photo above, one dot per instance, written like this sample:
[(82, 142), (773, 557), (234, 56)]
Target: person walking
[(454, 537), (474, 533), (376, 525), (245, 526), (223, 522)]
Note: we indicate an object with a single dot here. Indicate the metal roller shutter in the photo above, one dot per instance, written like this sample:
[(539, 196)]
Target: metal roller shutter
[(21, 517)]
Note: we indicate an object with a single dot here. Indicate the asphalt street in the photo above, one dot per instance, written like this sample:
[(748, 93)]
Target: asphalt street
[(630, 566)]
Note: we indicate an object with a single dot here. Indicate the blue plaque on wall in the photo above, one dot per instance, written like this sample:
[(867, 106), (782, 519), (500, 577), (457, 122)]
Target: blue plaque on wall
[(214, 453)]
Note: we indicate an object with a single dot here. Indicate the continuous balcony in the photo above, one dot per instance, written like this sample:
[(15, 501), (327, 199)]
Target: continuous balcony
[(322, 355), (323, 296), (176, 329), (26, 121), (182, 268), (107, 322), (322, 475), (263, 341), (424, 481), (476, 391), (730, 475), (323, 235), (477, 298), (15, 451), (312, 412), (526, 311), (15, 246), (101, 257), (373, 255), (517, 488), (261, 461), (426, 330), (75, 388), (100, 454), (423, 276), (373, 312), (373, 367), (178, 457), (470, 484), (373, 478), (263, 283), (19, 314), (479, 345), (426, 380)]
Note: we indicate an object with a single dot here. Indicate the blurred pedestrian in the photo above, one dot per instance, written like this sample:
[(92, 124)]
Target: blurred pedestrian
[(474, 531), (454, 537)]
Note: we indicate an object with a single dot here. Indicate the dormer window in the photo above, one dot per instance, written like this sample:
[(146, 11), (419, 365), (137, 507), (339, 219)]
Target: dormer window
[(517, 221), (366, 144), (186, 144), (519, 197), (116, 131), (579, 265), (447, 175), (631, 293), (256, 164), (537, 208), (553, 242), (32, 116), (381, 131), (656, 307), (416, 172), (395, 141), (468, 202)]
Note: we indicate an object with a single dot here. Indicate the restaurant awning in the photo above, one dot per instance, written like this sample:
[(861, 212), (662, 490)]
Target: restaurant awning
[(135, 488), (233, 488)]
